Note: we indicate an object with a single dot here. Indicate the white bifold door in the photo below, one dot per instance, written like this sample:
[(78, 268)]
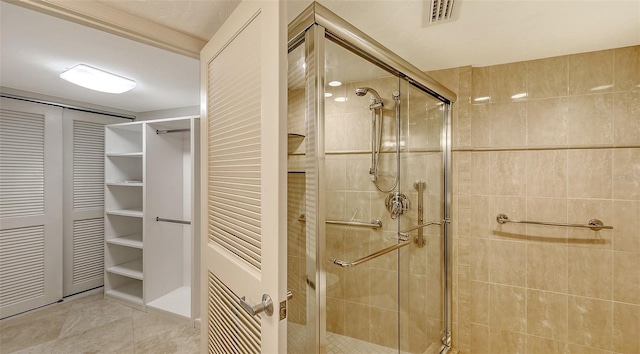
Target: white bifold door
[(244, 176), (83, 185), (46, 192), (30, 208)]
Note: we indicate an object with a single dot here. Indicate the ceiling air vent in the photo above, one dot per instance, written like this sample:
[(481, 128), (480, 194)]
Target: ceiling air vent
[(440, 11)]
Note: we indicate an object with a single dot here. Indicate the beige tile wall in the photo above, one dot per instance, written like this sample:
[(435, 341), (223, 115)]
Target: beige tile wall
[(566, 152)]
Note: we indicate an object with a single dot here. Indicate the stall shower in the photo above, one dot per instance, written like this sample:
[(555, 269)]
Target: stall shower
[(368, 195)]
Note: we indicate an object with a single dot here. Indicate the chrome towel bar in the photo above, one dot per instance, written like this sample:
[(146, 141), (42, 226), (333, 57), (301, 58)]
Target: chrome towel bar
[(594, 224), (405, 232), (345, 264), (173, 221), (374, 224)]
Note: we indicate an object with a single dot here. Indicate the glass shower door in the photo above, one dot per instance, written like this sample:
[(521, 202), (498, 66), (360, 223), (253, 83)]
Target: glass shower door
[(360, 172), (368, 196), (422, 275)]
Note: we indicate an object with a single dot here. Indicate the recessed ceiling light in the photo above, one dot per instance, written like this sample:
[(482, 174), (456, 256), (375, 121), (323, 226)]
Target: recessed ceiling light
[(98, 80), (340, 99), (519, 95), (481, 99), (335, 83), (328, 94)]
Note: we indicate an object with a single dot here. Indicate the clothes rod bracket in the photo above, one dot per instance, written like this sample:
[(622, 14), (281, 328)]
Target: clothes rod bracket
[(166, 131), (594, 224), (173, 221)]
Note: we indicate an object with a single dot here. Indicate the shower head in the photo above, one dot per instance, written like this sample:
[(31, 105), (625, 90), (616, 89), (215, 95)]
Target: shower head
[(361, 91)]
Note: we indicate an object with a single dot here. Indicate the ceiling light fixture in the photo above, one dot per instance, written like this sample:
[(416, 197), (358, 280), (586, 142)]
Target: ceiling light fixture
[(328, 94), (340, 99), (335, 83), (519, 95), (98, 80)]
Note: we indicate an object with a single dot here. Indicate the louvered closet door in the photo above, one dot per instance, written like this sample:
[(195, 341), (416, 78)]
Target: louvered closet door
[(84, 200), (244, 176), (30, 209)]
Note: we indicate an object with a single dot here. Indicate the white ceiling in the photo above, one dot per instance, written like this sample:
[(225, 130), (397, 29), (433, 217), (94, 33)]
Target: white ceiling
[(37, 47)]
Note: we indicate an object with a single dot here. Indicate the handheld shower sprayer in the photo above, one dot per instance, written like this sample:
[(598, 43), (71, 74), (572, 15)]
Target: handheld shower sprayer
[(376, 108), (376, 128), (376, 101)]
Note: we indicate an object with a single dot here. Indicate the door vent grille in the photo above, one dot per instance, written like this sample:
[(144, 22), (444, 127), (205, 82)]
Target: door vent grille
[(230, 328), (22, 164), (235, 148), (88, 165), (88, 250), (21, 265)]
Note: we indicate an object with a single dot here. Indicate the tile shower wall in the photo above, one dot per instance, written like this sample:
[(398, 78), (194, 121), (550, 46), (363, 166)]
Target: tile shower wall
[(556, 140)]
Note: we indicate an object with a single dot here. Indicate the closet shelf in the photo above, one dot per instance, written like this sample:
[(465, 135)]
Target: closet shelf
[(131, 293), (136, 213), (133, 240), (124, 154), (131, 269), (125, 184), (293, 141), (177, 301)]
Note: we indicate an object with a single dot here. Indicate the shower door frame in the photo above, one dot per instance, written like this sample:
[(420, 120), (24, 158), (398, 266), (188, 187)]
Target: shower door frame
[(315, 24)]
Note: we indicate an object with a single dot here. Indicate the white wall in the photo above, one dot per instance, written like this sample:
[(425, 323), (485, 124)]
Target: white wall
[(169, 113)]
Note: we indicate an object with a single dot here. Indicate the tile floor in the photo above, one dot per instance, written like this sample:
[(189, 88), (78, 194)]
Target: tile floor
[(92, 324), (339, 344), (336, 343)]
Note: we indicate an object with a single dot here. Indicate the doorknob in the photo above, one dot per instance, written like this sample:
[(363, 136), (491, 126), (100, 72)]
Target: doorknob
[(265, 306)]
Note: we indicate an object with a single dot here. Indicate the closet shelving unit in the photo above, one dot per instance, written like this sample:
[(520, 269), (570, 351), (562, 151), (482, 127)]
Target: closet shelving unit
[(151, 172), (124, 198)]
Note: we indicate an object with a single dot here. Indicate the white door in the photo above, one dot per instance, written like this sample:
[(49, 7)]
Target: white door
[(244, 176), (30, 212), (83, 201)]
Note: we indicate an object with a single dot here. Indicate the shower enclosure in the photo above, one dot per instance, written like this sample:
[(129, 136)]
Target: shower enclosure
[(368, 195)]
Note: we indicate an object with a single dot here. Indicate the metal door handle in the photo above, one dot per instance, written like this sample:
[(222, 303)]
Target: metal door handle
[(265, 306)]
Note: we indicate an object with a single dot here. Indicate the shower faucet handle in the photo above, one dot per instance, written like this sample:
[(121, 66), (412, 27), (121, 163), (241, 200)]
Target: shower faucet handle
[(397, 204)]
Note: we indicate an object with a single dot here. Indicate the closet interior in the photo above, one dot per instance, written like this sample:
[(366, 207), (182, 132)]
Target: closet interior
[(151, 188)]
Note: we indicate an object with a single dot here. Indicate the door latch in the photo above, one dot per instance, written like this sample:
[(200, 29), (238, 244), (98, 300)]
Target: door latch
[(283, 305)]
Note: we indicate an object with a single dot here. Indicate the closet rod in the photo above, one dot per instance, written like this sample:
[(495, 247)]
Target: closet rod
[(173, 221), (63, 105), (172, 131)]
